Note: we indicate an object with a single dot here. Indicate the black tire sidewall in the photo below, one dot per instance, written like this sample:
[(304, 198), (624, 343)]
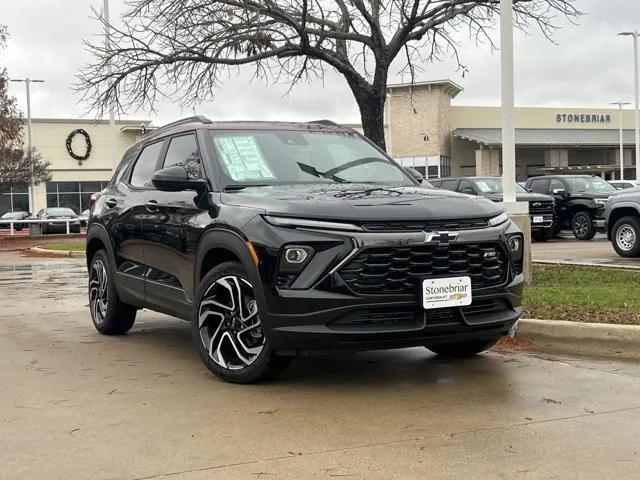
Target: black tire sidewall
[(633, 222), (590, 230), (263, 367), (120, 316)]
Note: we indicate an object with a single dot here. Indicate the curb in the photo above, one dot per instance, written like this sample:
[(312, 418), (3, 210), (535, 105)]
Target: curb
[(587, 264), (57, 253), (583, 338)]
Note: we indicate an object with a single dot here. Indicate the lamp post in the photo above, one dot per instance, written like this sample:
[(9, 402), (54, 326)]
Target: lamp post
[(620, 104), (27, 82), (506, 92), (635, 79), (112, 121)]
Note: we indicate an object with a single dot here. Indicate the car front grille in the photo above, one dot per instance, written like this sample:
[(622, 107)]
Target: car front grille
[(540, 208), (417, 226), (388, 270)]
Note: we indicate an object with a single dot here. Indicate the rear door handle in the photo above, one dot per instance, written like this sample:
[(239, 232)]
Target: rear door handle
[(151, 206), (112, 202)]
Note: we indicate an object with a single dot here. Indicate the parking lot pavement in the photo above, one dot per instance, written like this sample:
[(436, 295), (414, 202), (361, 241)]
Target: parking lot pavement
[(569, 250), (77, 405)]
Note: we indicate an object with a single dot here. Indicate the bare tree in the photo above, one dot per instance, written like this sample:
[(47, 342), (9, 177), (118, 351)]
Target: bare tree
[(16, 165), (185, 48)]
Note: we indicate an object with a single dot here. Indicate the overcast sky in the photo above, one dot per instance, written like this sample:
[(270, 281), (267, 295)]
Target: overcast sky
[(590, 66)]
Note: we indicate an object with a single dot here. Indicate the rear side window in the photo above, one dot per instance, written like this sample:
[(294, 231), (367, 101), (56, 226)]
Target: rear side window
[(539, 186), (449, 184), (146, 165), (183, 151)]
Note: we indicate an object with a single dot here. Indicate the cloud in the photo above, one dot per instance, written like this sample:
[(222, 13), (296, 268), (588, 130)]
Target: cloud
[(589, 66)]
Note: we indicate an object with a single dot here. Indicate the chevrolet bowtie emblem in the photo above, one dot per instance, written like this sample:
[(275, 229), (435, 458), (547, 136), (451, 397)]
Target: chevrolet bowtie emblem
[(440, 237), (537, 204)]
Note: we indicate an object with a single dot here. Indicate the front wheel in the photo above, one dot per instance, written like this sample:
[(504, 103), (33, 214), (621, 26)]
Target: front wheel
[(625, 237), (227, 331), (582, 226), (462, 349), (542, 235)]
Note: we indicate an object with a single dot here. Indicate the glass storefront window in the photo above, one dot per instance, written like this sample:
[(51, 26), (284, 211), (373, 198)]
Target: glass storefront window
[(15, 199), (73, 195)]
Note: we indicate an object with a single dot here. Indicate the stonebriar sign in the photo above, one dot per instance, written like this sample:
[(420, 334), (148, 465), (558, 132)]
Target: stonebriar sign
[(582, 118)]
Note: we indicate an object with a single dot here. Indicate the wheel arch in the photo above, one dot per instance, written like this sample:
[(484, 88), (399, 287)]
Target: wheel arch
[(219, 246), (97, 239), (624, 210)]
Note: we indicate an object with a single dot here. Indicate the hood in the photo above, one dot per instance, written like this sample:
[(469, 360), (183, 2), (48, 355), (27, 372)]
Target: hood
[(520, 197), (359, 202)]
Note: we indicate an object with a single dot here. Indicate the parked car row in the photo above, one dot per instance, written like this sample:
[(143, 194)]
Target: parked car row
[(52, 213)]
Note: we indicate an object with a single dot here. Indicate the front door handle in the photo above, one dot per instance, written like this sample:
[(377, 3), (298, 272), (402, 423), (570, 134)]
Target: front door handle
[(151, 206), (112, 202)]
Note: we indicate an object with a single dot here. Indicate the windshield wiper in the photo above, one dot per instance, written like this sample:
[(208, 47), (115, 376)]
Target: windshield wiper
[(235, 187), (311, 170)]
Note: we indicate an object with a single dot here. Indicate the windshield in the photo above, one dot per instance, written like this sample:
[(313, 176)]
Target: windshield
[(589, 184), (13, 215), (59, 212), (287, 157), (494, 185)]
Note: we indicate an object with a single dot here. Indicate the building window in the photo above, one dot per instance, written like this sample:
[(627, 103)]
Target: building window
[(73, 195), (14, 199)]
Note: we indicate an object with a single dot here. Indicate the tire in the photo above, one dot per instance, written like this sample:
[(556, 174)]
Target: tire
[(230, 343), (625, 237), (556, 229), (542, 235), (110, 315), (582, 226), (462, 349)]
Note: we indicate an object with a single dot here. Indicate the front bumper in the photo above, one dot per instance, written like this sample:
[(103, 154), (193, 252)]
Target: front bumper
[(321, 314), (544, 221)]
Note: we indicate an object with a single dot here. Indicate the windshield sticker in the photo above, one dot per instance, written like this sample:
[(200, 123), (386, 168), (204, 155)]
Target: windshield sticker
[(242, 157)]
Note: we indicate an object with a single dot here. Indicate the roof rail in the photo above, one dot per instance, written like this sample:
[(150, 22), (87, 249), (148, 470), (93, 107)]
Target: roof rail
[(328, 123), (182, 121)]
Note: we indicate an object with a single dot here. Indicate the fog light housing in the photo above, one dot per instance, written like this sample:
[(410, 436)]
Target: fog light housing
[(295, 255), (515, 244), (293, 260)]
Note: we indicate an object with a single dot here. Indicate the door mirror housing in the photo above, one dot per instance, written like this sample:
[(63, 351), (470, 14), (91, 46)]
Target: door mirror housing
[(416, 175), (176, 179), (559, 191)]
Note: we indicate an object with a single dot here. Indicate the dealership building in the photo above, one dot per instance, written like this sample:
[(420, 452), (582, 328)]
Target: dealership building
[(430, 129), (427, 127), (82, 154)]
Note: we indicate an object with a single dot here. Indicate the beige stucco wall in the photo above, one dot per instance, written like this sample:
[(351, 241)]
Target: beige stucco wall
[(49, 138), (463, 116)]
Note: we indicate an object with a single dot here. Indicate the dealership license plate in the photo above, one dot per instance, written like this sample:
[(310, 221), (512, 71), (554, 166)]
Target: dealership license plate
[(538, 219), (446, 292)]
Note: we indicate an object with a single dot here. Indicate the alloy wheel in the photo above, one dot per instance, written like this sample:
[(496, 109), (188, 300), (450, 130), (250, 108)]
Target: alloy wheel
[(626, 237), (580, 225), (98, 291), (229, 325)]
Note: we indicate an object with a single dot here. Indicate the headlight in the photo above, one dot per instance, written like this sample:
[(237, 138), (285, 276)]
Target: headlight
[(304, 223), (601, 201), (499, 220)]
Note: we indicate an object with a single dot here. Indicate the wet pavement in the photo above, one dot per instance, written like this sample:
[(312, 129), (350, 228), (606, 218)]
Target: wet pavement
[(77, 405), (571, 251)]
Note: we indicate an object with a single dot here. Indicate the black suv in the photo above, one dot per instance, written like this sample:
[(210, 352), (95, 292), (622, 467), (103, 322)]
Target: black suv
[(541, 207), (580, 201), (280, 239)]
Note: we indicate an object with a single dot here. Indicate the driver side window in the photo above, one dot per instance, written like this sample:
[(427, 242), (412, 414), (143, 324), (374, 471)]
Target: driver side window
[(555, 184)]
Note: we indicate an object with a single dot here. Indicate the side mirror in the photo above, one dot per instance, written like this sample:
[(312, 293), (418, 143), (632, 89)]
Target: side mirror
[(416, 175), (468, 191), (559, 191), (176, 179)]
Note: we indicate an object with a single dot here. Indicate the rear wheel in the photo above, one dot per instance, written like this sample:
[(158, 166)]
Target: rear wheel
[(625, 237), (582, 226), (462, 349), (110, 315), (227, 331)]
